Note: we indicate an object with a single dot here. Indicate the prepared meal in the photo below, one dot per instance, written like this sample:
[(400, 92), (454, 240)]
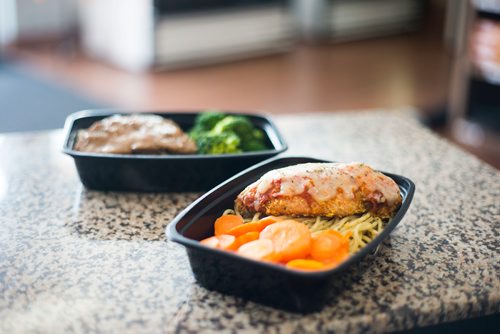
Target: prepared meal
[(219, 133), (135, 134), (310, 216)]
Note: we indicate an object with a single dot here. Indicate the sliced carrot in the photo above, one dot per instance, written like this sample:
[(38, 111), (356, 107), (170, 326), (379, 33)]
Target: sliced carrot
[(226, 222), (261, 249), (222, 241), (337, 259), (255, 226), (304, 264), (245, 228), (335, 233), (266, 221), (329, 246), (210, 242), (226, 242), (247, 237), (292, 240)]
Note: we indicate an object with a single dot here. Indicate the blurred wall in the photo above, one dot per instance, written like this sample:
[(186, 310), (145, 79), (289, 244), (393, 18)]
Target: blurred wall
[(35, 19)]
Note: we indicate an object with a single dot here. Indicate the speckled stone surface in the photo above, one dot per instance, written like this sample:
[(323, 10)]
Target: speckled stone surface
[(73, 260)]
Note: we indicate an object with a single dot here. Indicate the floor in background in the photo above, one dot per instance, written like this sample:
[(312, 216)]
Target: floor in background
[(405, 70), (30, 102), (391, 72)]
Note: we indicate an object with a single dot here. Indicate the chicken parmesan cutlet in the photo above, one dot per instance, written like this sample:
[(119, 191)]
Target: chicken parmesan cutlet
[(321, 189)]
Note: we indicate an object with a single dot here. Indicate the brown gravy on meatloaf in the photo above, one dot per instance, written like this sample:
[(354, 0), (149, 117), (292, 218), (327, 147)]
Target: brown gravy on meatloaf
[(150, 134)]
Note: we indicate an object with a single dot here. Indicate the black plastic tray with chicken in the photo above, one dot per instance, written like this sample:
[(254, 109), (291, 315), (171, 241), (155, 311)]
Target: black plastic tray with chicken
[(260, 281)]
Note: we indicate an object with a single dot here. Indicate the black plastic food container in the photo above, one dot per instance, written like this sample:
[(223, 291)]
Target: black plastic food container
[(262, 282), (162, 173)]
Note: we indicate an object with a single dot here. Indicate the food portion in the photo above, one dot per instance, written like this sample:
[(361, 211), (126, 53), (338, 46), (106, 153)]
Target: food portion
[(282, 240), (218, 133), (135, 134), (308, 216), (212, 133), (321, 189)]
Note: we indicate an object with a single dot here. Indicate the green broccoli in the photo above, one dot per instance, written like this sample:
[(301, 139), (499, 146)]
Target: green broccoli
[(258, 135), (204, 122), (218, 143), (253, 145), (197, 132), (240, 125), (252, 139), (207, 120), (217, 133)]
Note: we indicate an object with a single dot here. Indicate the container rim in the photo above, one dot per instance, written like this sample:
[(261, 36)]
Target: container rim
[(175, 236)]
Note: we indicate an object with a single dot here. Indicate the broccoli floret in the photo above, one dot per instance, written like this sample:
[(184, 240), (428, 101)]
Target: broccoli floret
[(258, 135), (207, 120), (217, 133), (253, 145), (196, 132), (240, 125), (204, 122), (218, 143), (252, 139)]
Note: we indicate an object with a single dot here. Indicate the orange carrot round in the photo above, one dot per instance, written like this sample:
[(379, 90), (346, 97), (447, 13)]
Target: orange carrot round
[(222, 241), (266, 221), (337, 259), (261, 249), (247, 237), (329, 246), (245, 228), (226, 222), (210, 242), (304, 264), (291, 239), (256, 226)]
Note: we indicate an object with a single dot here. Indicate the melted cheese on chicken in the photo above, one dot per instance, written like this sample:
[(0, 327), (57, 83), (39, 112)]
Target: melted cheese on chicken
[(328, 189)]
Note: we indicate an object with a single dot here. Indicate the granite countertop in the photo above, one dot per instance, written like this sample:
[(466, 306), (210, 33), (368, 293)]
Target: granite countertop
[(86, 261)]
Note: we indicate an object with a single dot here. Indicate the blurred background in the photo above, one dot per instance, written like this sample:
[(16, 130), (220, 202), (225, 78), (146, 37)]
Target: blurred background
[(297, 56)]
